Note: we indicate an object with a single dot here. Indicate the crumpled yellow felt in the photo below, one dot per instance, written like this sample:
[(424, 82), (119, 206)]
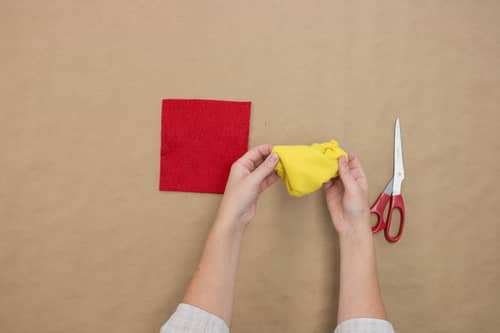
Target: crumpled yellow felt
[(304, 169)]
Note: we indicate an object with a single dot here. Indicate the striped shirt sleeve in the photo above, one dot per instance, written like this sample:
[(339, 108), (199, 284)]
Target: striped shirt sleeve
[(364, 325), (191, 319)]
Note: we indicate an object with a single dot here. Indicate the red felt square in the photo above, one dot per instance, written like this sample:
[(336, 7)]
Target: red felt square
[(200, 139)]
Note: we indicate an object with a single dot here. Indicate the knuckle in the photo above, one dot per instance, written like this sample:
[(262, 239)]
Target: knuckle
[(269, 164), (236, 164)]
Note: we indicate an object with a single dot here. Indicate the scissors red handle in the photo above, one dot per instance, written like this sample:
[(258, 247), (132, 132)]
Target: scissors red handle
[(378, 208)]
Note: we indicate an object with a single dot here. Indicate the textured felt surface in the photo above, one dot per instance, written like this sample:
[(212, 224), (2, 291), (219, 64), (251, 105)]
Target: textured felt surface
[(200, 139)]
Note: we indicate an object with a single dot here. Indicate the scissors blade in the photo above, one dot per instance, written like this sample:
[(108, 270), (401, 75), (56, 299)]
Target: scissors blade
[(388, 187), (399, 171)]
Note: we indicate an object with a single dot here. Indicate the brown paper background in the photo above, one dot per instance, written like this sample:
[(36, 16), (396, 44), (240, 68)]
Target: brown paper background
[(88, 243)]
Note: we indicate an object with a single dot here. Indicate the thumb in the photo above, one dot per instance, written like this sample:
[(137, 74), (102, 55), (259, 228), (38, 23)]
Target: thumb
[(345, 175), (264, 169)]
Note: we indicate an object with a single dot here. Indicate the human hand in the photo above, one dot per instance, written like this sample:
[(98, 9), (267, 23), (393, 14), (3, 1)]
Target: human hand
[(249, 176), (347, 198)]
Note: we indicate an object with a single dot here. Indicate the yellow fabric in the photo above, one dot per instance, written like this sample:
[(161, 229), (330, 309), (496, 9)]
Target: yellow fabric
[(305, 168)]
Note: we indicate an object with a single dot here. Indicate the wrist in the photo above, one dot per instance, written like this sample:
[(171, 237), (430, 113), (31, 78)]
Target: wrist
[(228, 226), (359, 235), (357, 252)]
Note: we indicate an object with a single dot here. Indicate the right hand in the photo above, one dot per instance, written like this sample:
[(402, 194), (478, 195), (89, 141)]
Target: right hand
[(250, 175), (347, 198)]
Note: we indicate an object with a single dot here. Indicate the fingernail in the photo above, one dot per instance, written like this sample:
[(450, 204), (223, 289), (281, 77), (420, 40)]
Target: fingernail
[(273, 157), (342, 160)]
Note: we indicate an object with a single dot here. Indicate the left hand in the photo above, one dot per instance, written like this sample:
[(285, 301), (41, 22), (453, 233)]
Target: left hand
[(249, 176)]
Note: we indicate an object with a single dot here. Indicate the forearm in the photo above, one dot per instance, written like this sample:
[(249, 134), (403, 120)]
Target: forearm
[(212, 285), (359, 288)]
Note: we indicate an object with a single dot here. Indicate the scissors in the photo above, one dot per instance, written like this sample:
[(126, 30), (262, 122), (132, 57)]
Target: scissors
[(392, 194)]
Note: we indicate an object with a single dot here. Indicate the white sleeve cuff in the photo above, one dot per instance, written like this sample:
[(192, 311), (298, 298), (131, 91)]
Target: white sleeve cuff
[(364, 325), (191, 319)]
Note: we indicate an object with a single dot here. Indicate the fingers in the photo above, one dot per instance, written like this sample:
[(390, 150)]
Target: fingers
[(328, 184), (333, 194), (252, 158), (346, 175), (354, 161), (356, 167), (357, 170), (264, 169), (269, 180)]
